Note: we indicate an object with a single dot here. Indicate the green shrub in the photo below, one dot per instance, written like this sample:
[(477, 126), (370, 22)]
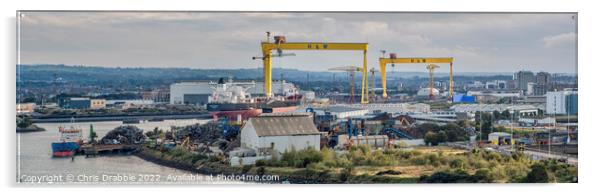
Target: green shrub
[(260, 163), (300, 158), (246, 168), (482, 176), (538, 174)]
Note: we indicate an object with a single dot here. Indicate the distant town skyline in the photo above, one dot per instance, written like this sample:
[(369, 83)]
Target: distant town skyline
[(479, 42)]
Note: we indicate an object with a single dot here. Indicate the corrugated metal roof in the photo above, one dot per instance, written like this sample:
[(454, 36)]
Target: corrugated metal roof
[(284, 125)]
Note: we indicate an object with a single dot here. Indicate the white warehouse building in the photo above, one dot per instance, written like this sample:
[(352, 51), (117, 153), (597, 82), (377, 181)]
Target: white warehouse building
[(279, 133)]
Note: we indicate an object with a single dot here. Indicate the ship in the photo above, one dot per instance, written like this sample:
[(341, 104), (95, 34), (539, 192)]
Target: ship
[(69, 142), (233, 101)]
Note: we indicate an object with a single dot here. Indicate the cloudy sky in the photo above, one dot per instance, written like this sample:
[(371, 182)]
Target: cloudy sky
[(478, 42)]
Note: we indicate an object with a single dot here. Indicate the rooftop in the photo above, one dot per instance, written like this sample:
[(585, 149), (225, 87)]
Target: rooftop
[(338, 109), (283, 125)]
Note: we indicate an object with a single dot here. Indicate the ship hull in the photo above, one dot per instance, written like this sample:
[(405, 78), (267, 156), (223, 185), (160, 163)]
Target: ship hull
[(63, 153), (214, 107), (64, 149), (244, 115)]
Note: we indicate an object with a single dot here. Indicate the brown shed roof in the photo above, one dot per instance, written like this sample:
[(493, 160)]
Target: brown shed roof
[(284, 125)]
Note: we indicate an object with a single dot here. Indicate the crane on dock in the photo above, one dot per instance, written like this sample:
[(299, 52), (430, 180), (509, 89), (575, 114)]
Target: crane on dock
[(431, 68), (383, 62), (351, 70), (279, 44)]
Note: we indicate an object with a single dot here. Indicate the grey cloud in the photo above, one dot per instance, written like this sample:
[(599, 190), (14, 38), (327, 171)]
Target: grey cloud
[(479, 42)]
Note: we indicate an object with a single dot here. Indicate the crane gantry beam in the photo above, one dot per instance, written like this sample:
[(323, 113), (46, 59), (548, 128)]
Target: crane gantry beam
[(267, 47), (384, 61)]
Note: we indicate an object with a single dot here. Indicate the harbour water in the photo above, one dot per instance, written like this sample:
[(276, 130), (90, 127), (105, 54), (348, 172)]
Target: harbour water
[(35, 163)]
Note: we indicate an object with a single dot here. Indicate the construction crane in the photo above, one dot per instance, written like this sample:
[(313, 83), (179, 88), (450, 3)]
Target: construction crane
[(431, 68), (373, 85), (280, 45), (393, 60), (351, 70)]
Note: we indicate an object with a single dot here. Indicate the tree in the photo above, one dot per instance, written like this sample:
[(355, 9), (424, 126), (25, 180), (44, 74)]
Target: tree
[(431, 137), (455, 132), (441, 137), (497, 114), (484, 122), (23, 121), (426, 127), (506, 115), (538, 174)]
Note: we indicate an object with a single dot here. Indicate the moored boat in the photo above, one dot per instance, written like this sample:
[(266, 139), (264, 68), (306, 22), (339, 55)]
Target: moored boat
[(69, 142)]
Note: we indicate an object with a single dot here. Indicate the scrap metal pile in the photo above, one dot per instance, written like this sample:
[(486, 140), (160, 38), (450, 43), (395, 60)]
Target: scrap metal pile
[(210, 134), (127, 134), (204, 134)]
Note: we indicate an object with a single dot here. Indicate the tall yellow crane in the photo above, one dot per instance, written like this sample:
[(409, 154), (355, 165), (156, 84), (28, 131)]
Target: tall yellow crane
[(393, 59), (351, 70), (280, 45), (431, 68)]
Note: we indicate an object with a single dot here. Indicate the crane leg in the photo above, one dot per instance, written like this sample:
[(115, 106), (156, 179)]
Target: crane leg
[(383, 78), (267, 72)]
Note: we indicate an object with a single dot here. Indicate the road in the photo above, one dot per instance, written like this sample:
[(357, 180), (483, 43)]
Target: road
[(531, 153), (538, 155)]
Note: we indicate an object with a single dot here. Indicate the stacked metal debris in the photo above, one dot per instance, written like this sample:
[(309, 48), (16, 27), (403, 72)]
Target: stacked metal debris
[(126, 134), (203, 134), (210, 134)]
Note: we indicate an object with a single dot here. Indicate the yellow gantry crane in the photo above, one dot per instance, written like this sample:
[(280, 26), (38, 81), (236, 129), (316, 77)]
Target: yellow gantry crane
[(393, 60), (280, 45), (431, 68)]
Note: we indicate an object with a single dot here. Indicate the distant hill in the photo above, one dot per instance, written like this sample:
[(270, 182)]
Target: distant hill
[(108, 76), (45, 72), (49, 72)]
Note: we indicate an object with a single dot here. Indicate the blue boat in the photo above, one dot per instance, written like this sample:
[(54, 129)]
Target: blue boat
[(69, 142), (64, 149)]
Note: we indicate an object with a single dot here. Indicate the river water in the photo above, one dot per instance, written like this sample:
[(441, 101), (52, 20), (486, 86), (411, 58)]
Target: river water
[(36, 165)]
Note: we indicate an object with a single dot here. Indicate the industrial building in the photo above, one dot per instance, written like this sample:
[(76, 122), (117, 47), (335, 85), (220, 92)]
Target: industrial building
[(425, 92), (500, 138), (199, 93), (494, 95), (394, 108), (462, 98), (132, 103), (496, 84), (23, 108), (529, 122), (562, 102), (341, 112), (520, 110), (157, 95), (81, 103), (537, 101), (98, 103), (279, 133)]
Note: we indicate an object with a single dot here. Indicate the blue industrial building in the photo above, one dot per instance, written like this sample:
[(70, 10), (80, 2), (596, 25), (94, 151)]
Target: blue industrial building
[(74, 103)]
